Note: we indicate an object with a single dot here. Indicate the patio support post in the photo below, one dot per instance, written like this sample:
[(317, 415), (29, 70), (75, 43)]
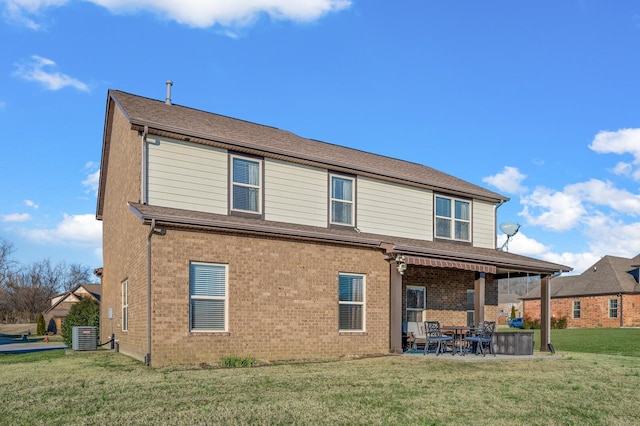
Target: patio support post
[(395, 310), (478, 300), (545, 317)]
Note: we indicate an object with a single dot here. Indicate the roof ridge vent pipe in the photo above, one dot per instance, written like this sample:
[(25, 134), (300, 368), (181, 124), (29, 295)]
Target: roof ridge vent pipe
[(168, 99)]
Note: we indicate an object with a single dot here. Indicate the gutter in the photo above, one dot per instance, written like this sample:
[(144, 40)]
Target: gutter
[(147, 357)]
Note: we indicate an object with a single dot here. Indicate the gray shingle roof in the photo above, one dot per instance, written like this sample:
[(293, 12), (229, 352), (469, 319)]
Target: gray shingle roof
[(609, 275)]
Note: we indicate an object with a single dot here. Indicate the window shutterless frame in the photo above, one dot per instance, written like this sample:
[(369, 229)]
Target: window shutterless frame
[(351, 302), (416, 302), (576, 309), (342, 200), (208, 300), (125, 305), (245, 184), (613, 308), (452, 218)]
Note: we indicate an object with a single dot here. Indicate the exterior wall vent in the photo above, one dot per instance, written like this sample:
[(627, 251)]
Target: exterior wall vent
[(84, 338)]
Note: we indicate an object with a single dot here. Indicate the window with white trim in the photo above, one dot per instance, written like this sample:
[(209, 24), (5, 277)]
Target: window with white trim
[(453, 218), (125, 305), (342, 200), (576, 309), (207, 297), (246, 185), (351, 302), (471, 308), (416, 302), (613, 308)]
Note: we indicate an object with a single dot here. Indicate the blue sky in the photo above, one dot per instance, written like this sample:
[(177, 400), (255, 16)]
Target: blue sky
[(539, 101)]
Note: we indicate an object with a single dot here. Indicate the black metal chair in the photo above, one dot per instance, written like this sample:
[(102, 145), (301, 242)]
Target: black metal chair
[(482, 338), (435, 336)]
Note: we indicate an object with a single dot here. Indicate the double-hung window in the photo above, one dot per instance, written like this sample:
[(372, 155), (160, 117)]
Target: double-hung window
[(125, 305), (453, 219), (416, 303), (613, 308), (246, 185), (342, 200), (351, 302), (576, 309), (208, 297)]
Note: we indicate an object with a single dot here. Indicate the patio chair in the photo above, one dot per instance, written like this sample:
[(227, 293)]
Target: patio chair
[(435, 336), (482, 338), (415, 335)]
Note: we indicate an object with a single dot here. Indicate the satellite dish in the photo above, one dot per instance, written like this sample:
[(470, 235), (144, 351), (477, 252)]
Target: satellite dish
[(510, 229)]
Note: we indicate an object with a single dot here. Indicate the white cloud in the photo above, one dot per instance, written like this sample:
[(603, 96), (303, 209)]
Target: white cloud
[(31, 204), (93, 176), (34, 70), (194, 13), (3, 105), (509, 180), (16, 217), (203, 14), (81, 229), (554, 210), (523, 245), (22, 11), (623, 141)]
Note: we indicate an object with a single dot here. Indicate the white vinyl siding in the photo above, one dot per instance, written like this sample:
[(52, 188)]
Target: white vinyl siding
[(484, 224), (295, 193), (395, 210), (186, 176)]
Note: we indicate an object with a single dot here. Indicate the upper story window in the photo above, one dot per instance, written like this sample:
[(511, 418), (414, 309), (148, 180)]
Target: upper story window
[(453, 219), (576, 309), (342, 200), (246, 184), (613, 308)]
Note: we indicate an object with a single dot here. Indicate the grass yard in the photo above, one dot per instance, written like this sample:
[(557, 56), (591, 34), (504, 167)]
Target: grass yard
[(55, 388), (592, 380)]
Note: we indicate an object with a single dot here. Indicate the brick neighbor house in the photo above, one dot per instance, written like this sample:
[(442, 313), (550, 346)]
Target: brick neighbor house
[(225, 237), (61, 303), (606, 295)]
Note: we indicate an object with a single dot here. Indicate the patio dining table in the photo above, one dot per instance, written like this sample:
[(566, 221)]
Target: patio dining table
[(459, 332)]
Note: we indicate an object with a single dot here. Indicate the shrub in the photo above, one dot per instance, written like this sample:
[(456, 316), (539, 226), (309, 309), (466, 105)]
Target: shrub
[(531, 323), (560, 322), (84, 313), (40, 329), (513, 312), (234, 361)]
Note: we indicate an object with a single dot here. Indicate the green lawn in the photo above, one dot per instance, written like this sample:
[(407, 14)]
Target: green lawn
[(609, 341), (569, 388)]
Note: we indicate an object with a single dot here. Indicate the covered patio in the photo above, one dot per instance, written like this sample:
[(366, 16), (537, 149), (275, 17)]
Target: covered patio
[(457, 285)]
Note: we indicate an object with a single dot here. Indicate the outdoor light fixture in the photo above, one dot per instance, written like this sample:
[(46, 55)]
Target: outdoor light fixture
[(400, 264)]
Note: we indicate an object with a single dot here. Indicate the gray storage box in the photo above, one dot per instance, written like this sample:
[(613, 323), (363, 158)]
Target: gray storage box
[(514, 343)]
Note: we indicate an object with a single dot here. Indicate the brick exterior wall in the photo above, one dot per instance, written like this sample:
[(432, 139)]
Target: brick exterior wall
[(447, 293), (124, 242), (594, 311), (282, 299)]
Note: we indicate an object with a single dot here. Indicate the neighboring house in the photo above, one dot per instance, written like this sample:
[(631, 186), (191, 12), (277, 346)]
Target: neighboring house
[(60, 304), (605, 295), (505, 303), (225, 237)]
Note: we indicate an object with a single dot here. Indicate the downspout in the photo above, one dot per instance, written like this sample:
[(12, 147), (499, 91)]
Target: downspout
[(147, 357), (143, 166)]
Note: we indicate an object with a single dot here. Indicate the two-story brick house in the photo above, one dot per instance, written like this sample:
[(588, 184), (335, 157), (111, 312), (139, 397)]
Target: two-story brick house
[(605, 295), (224, 237)]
